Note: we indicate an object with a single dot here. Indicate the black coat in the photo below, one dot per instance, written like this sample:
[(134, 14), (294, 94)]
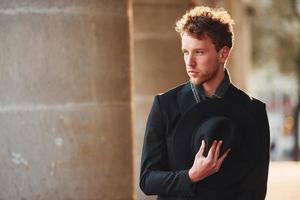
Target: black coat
[(157, 176)]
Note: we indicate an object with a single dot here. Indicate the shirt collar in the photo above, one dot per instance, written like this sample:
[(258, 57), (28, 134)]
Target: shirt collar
[(220, 91)]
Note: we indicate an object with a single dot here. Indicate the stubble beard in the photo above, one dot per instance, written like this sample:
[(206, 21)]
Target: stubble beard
[(200, 79), (203, 77)]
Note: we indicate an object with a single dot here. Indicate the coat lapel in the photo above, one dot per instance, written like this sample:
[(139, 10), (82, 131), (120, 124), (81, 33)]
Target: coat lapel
[(185, 98)]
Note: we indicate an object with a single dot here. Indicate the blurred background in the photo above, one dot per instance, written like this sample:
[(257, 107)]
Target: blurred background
[(77, 79)]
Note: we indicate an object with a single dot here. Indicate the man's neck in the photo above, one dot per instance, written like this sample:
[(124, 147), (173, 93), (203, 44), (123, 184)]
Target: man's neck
[(211, 86)]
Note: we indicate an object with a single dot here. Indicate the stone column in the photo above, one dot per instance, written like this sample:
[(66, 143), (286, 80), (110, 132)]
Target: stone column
[(65, 100), (241, 56), (158, 60)]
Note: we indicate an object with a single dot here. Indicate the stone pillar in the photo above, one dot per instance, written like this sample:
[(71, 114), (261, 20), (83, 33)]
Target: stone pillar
[(158, 60), (241, 55), (65, 100)]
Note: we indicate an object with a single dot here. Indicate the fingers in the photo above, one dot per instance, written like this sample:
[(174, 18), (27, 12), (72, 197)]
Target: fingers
[(222, 158), (225, 154), (217, 152), (205, 166), (201, 150), (212, 150)]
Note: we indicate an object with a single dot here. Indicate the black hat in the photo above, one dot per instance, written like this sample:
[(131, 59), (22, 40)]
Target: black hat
[(214, 128), (209, 120)]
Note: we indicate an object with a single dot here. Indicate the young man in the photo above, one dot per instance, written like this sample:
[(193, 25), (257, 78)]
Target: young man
[(207, 38)]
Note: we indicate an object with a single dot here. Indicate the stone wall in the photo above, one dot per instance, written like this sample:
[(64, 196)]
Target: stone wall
[(65, 100)]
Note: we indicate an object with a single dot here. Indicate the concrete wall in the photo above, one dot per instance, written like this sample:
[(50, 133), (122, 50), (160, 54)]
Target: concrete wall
[(65, 105), (158, 60)]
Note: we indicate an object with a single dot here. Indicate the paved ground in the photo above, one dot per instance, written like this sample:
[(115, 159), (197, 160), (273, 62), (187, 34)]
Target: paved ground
[(284, 181)]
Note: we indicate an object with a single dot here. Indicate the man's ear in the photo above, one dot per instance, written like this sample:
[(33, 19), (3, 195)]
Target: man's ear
[(224, 53)]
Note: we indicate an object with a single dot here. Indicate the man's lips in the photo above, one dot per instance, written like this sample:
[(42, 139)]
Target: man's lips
[(192, 73)]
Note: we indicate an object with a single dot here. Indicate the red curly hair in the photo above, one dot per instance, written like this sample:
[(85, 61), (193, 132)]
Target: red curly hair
[(214, 23)]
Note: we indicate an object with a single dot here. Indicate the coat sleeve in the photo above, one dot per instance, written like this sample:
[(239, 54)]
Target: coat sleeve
[(155, 176), (254, 186)]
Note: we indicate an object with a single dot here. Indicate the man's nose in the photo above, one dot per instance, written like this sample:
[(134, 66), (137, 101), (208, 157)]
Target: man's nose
[(190, 61)]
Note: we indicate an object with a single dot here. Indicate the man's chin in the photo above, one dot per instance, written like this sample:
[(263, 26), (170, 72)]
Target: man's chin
[(197, 81)]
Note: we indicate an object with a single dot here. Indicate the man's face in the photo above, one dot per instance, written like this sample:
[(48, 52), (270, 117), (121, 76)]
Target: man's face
[(201, 59)]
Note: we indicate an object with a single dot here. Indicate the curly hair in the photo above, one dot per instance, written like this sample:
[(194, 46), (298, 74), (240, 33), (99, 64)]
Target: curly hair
[(214, 23)]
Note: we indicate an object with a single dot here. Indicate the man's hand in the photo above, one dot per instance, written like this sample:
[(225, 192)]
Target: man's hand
[(206, 166)]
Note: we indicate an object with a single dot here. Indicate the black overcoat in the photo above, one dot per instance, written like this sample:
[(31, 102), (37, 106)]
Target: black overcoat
[(157, 176)]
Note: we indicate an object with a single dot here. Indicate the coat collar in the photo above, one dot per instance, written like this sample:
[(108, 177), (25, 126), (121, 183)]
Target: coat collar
[(185, 98)]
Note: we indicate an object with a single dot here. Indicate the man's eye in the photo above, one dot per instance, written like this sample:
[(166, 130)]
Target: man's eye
[(200, 52), (185, 53)]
